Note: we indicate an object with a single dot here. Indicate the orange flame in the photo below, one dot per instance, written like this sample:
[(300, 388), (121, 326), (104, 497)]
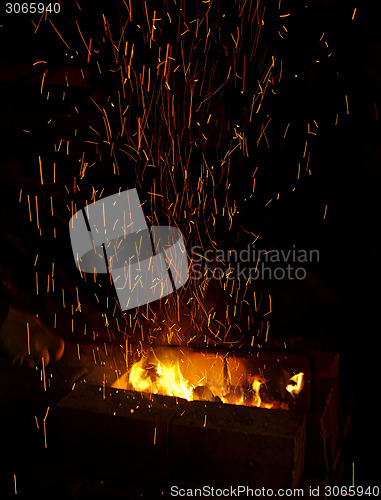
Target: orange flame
[(166, 378), (256, 385), (295, 388)]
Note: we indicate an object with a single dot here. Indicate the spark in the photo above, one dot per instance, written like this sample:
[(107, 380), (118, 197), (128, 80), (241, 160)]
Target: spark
[(55, 29), (39, 22), (157, 119), (83, 40), (41, 177), (30, 212), (43, 373), (44, 427), (28, 338)]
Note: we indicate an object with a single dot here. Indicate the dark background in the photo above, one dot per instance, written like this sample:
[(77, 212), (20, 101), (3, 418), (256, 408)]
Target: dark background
[(339, 302)]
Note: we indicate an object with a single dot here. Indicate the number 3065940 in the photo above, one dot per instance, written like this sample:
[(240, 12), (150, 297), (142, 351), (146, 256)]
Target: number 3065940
[(32, 8)]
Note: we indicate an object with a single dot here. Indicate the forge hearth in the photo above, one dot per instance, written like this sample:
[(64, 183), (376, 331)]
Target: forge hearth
[(121, 432), (123, 435)]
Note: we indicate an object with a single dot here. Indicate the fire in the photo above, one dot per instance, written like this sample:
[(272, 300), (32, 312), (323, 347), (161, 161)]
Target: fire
[(295, 388), (256, 385), (166, 377)]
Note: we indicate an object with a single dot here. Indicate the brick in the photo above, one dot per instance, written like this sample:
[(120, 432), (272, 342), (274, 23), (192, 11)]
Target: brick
[(91, 414), (323, 428), (240, 435), (228, 473)]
